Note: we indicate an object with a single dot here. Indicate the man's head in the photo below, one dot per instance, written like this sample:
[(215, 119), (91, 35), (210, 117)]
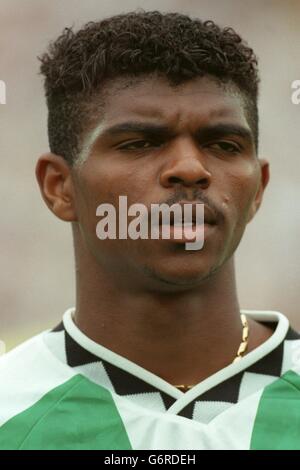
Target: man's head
[(132, 45), (160, 108)]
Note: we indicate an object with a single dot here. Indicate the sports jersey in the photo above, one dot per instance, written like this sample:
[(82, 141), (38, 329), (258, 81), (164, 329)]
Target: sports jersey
[(61, 390)]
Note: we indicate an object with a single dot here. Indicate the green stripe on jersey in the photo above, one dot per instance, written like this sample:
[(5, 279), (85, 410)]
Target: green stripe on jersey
[(277, 423), (75, 415)]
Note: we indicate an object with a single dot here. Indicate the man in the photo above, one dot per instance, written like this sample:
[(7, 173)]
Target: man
[(159, 108)]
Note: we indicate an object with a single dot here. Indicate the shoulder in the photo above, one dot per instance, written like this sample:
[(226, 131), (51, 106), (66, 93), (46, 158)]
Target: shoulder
[(28, 373)]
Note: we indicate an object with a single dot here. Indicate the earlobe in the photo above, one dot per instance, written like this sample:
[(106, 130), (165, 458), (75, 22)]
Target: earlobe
[(53, 174)]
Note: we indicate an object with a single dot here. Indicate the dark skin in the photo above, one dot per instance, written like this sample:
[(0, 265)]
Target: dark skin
[(172, 311)]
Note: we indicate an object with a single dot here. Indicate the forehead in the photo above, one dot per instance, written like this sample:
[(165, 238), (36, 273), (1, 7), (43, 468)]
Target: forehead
[(154, 98)]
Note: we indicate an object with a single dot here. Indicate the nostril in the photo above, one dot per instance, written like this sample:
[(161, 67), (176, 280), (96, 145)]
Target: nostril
[(175, 179), (204, 182)]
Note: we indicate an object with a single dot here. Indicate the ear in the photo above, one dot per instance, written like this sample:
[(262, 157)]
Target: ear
[(53, 174), (264, 176)]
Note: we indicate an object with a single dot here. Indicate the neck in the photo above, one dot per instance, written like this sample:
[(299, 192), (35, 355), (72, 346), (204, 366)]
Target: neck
[(181, 337)]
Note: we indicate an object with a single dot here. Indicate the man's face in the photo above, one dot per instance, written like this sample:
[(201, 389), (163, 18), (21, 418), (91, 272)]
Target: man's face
[(161, 144)]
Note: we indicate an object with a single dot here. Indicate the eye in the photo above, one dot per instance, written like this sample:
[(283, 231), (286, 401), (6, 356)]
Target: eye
[(137, 145), (224, 146)]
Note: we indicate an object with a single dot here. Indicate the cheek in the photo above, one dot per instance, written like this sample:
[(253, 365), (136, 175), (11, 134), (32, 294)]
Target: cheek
[(104, 184), (238, 192), (111, 178)]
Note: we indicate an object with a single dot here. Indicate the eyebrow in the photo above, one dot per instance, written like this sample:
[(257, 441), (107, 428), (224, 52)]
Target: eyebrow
[(162, 131), (149, 129), (222, 130)]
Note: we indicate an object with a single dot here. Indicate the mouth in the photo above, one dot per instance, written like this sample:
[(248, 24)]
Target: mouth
[(195, 217), (187, 233), (195, 228)]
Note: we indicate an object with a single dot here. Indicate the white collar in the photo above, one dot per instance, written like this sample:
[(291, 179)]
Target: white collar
[(183, 399)]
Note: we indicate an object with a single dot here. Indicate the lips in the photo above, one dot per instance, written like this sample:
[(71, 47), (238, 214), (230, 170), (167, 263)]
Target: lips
[(209, 216)]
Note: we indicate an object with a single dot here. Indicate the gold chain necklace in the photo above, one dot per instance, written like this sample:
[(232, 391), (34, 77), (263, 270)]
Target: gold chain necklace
[(241, 351)]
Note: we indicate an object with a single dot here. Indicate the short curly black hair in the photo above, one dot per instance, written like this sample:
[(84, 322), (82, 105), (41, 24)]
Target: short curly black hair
[(136, 43)]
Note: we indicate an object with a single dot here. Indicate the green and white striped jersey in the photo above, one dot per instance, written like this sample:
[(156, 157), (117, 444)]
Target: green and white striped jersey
[(61, 390)]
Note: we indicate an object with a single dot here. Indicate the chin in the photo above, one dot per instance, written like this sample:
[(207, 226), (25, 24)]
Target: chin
[(179, 278)]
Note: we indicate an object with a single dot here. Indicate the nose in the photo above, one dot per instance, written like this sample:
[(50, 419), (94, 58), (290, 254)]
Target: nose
[(185, 166)]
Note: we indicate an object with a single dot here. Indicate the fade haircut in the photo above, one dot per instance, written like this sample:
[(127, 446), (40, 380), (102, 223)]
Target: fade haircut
[(172, 45)]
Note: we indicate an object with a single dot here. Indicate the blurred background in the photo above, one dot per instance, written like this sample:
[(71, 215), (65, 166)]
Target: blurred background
[(37, 272)]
